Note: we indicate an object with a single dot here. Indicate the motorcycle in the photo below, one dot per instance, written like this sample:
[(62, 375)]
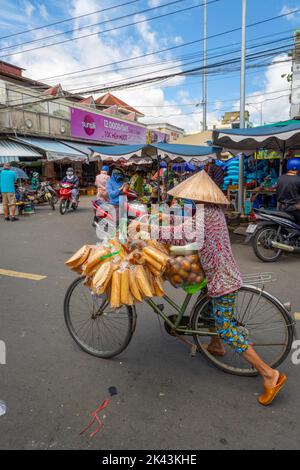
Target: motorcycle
[(44, 194), (65, 196), (272, 234)]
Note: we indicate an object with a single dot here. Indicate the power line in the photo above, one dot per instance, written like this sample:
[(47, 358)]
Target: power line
[(152, 53), (92, 25), (156, 17), (174, 59), (68, 19), (113, 29)]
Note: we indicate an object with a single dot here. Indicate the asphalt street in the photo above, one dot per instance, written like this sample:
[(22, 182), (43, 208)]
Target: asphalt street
[(165, 400)]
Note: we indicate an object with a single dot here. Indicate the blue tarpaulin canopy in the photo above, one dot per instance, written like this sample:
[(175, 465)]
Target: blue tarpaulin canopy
[(169, 152), (280, 136)]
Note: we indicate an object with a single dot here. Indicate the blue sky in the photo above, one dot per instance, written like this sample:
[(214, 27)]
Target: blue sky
[(172, 101)]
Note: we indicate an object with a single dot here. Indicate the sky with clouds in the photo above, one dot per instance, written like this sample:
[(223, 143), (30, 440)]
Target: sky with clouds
[(175, 100)]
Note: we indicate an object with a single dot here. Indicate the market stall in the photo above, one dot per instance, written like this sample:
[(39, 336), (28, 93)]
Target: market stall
[(282, 137), (170, 153)]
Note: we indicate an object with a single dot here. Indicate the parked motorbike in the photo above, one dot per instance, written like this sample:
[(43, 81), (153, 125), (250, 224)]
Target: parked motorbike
[(65, 196), (272, 234), (44, 194)]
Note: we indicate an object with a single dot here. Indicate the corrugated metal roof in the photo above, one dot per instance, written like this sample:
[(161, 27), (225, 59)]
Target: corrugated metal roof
[(11, 151), (55, 150)]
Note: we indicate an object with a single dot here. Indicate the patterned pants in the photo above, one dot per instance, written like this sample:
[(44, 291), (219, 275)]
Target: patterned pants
[(222, 311)]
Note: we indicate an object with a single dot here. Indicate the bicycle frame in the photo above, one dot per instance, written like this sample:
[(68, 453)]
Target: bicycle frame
[(180, 313)]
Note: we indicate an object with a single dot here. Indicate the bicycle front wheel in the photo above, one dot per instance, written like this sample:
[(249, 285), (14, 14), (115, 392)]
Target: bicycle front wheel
[(97, 328), (261, 318)]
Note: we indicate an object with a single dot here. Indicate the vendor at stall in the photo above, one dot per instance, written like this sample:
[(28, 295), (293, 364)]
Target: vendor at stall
[(288, 189)]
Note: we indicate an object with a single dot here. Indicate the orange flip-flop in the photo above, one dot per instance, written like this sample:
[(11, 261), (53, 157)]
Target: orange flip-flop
[(271, 392)]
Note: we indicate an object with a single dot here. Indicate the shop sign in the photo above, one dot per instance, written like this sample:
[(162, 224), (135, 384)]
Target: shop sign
[(94, 126)]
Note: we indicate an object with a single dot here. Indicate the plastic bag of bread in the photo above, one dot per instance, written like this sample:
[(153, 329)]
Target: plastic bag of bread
[(79, 258), (184, 270), (115, 290), (164, 248), (102, 277), (133, 285), (158, 285), (125, 296), (142, 281), (155, 258), (94, 259)]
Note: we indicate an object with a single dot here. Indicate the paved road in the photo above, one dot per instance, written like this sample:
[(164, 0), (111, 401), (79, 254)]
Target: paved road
[(165, 399)]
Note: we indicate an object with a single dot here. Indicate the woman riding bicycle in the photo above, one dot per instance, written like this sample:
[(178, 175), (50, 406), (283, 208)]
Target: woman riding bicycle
[(223, 278)]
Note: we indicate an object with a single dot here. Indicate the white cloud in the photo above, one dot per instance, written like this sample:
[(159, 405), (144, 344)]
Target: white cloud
[(29, 8), (286, 10), (153, 3), (43, 11), (275, 106)]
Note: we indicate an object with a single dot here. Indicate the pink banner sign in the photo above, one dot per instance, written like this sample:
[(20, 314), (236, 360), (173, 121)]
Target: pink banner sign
[(94, 126)]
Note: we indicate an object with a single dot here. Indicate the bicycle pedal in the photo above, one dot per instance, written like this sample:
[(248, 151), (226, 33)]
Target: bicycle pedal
[(161, 307)]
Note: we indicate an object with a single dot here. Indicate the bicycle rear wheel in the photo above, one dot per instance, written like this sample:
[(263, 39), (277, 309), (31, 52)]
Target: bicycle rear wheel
[(97, 328), (262, 318)]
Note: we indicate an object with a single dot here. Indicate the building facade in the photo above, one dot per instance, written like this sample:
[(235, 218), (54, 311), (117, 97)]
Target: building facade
[(172, 132)]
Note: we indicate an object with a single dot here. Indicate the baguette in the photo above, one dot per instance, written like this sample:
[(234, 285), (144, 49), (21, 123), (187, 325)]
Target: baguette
[(115, 290), (134, 286), (79, 257), (143, 282), (124, 297)]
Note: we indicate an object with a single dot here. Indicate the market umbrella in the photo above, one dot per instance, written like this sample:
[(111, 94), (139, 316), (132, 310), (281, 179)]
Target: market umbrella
[(280, 136), (159, 152), (20, 173)]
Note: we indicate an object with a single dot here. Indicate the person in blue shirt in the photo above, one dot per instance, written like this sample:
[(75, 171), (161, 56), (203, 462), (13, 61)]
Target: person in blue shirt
[(115, 188), (8, 178)]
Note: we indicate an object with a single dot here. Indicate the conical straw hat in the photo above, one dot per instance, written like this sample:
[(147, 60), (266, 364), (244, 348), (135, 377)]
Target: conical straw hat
[(199, 187)]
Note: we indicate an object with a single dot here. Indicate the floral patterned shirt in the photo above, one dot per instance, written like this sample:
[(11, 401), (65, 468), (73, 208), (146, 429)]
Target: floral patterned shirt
[(221, 270)]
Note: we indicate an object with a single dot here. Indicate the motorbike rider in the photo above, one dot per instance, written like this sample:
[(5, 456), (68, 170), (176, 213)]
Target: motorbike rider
[(115, 188), (71, 178), (288, 189), (35, 181)]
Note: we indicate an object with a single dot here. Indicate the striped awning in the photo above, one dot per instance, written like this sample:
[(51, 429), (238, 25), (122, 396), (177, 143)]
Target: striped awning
[(11, 151), (54, 149)]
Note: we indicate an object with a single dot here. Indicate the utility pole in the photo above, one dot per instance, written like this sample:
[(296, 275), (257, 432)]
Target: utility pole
[(242, 106), (204, 91)]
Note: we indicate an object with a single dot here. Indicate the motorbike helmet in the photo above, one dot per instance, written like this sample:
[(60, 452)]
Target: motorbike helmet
[(293, 164), (35, 174), (118, 174), (105, 168), (70, 172)]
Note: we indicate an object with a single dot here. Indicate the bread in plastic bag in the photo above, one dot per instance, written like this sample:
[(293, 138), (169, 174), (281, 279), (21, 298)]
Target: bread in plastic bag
[(102, 277), (133, 285), (143, 282), (115, 290), (79, 257)]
